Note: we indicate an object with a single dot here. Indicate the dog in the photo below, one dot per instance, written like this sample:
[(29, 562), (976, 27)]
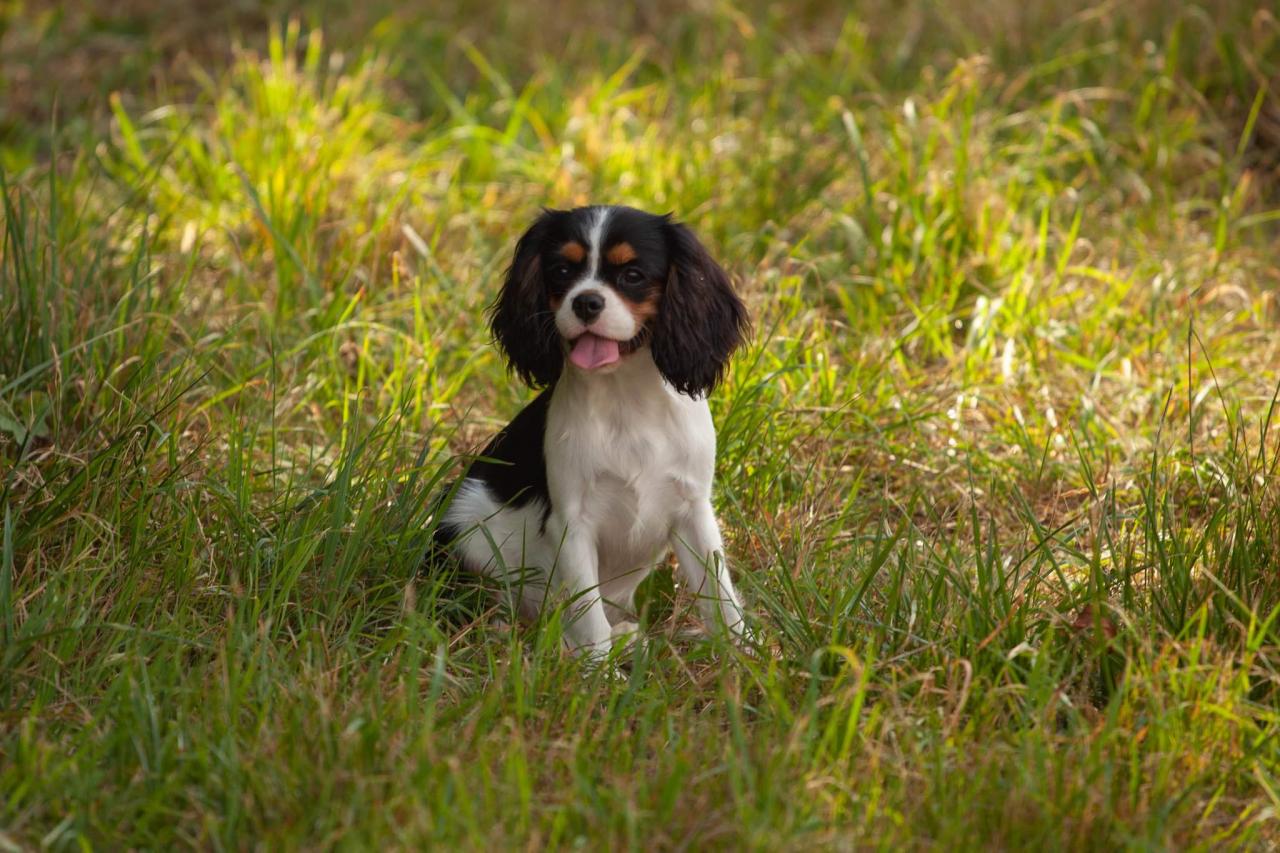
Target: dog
[(624, 323)]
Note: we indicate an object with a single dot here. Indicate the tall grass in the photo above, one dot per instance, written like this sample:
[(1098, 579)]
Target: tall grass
[(996, 472)]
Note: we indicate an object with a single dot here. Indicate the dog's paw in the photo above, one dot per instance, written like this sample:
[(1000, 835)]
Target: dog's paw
[(627, 639), (749, 642), (627, 633)]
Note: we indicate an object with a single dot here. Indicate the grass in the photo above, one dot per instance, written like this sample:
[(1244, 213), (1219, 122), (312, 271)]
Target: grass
[(997, 472)]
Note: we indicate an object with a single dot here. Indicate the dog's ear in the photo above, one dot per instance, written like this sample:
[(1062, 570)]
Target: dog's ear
[(701, 320), (521, 318)]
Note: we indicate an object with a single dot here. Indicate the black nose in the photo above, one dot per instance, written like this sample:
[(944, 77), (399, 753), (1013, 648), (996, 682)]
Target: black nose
[(588, 305)]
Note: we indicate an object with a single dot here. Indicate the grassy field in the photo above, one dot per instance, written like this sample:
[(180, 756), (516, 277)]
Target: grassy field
[(997, 472)]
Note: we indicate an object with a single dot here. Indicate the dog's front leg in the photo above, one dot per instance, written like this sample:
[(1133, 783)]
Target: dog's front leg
[(577, 577), (696, 540)]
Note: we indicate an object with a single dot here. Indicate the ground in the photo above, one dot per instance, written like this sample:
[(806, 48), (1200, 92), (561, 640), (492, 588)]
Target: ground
[(996, 471)]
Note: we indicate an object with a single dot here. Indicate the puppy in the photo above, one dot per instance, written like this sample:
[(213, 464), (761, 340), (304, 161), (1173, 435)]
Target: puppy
[(625, 323)]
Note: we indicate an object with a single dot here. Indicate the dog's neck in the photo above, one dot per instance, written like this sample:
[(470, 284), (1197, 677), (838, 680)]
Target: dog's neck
[(635, 384)]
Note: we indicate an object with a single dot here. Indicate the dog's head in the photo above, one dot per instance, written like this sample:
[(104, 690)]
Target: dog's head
[(594, 286)]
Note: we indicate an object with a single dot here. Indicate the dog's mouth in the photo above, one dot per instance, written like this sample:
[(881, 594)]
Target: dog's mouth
[(590, 351)]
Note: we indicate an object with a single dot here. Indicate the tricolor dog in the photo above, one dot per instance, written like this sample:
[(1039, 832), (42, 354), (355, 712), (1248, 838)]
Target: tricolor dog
[(625, 323)]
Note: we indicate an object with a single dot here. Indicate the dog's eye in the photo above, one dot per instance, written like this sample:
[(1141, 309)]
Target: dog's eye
[(560, 271), (631, 275)]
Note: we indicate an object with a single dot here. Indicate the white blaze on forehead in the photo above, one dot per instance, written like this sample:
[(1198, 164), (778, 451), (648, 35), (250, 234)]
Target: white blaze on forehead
[(615, 323), (595, 239)]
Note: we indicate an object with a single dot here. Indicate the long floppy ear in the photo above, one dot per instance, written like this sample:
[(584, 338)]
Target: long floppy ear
[(701, 321), (521, 318)]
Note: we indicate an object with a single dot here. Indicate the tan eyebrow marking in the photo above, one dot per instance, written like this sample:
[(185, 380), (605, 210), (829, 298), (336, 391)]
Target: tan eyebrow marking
[(621, 254), (573, 251)]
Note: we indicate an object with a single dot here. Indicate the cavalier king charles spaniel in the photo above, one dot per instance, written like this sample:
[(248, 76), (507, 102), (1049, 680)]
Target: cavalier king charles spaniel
[(625, 323)]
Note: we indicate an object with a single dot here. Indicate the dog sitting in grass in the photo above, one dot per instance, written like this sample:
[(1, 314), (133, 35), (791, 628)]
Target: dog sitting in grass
[(625, 323)]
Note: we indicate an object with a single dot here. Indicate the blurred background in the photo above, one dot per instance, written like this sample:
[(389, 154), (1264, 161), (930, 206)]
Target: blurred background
[(73, 54)]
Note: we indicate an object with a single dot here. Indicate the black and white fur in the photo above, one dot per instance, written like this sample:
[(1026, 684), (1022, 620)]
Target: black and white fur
[(610, 466)]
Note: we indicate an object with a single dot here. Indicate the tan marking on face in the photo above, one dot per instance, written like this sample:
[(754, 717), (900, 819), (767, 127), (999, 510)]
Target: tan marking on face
[(645, 309), (573, 251), (621, 254)]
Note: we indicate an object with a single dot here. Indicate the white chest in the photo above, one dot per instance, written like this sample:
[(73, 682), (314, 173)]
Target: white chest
[(627, 462)]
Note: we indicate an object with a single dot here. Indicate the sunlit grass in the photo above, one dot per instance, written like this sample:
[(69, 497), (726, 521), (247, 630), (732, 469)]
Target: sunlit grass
[(996, 471)]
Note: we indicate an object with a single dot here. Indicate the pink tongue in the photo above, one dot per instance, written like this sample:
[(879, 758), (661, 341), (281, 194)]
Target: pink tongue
[(592, 351)]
